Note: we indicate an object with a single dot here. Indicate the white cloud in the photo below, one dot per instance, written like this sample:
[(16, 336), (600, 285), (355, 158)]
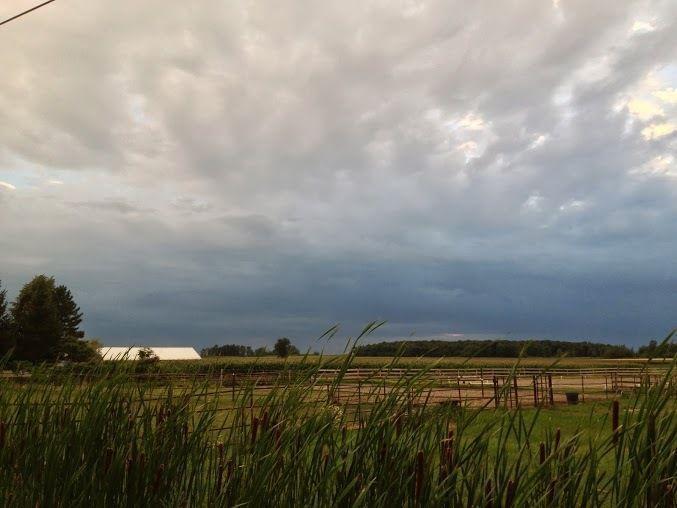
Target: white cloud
[(668, 95), (661, 166), (257, 154), (533, 203), (6, 185), (644, 110), (658, 130), (643, 26), (573, 205)]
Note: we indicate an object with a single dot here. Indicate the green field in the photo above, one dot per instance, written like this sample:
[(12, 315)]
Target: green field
[(239, 364), (115, 437)]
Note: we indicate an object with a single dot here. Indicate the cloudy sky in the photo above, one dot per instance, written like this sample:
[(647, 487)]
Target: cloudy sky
[(202, 172)]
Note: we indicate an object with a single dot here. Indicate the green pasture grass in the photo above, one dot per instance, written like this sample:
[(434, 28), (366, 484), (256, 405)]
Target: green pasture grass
[(113, 438), (242, 364)]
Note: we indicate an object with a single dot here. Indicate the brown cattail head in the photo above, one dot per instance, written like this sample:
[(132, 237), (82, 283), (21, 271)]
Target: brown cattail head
[(158, 478), (382, 449), (558, 436), (488, 495), (278, 437), (219, 479), (255, 428), (325, 458), (230, 467), (541, 453), (264, 421), (420, 467), (510, 494), (614, 420), (3, 430), (108, 458)]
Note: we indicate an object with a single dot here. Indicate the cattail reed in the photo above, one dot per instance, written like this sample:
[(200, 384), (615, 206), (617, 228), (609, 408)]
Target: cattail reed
[(510, 494), (488, 495), (186, 448), (219, 478), (447, 455), (158, 478), (255, 428), (420, 470), (551, 491), (108, 458)]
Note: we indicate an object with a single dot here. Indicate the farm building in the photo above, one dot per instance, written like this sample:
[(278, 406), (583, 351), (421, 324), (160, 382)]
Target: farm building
[(163, 353)]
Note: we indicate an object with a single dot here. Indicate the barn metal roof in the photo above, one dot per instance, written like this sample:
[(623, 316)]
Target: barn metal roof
[(163, 353)]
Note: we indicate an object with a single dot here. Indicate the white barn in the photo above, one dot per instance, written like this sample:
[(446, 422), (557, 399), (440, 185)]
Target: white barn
[(163, 353)]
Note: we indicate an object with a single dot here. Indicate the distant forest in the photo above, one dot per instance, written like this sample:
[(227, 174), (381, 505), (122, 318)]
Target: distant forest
[(495, 348), (470, 348)]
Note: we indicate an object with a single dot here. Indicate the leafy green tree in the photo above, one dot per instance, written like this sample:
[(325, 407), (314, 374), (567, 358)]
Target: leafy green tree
[(283, 348), (261, 351), (36, 318), (227, 350), (6, 336)]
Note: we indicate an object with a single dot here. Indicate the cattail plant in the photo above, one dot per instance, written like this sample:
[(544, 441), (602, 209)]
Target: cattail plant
[(109, 437)]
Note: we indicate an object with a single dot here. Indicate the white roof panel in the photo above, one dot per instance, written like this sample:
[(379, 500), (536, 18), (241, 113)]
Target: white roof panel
[(163, 353)]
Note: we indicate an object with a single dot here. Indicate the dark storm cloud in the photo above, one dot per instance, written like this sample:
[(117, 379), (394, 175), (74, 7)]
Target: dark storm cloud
[(239, 171)]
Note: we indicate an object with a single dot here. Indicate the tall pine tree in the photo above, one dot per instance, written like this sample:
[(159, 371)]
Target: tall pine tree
[(69, 314)]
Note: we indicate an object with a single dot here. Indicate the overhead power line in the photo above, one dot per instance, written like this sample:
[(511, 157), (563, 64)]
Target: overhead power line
[(26, 12)]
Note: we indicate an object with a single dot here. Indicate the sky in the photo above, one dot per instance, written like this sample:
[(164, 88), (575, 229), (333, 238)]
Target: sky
[(216, 172)]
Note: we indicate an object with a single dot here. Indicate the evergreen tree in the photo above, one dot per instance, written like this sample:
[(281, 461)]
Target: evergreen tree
[(36, 318), (69, 314)]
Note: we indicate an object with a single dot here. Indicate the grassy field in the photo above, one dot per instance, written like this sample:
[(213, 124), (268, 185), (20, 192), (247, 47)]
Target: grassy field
[(240, 364), (114, 438)]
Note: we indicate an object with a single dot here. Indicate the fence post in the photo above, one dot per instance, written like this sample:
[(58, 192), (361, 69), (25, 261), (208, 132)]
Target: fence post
[(582, 388), (517, 400), (233, 387), (535, 392), (552, 396)]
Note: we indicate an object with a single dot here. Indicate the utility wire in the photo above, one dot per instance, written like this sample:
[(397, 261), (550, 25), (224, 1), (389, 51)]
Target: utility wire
[(25, 12)]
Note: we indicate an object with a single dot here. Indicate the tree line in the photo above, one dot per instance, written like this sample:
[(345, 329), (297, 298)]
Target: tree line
[(495, 348), (658, 350), (43, 324), (282, 348)]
